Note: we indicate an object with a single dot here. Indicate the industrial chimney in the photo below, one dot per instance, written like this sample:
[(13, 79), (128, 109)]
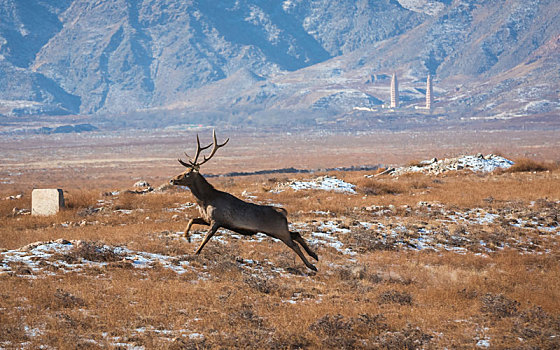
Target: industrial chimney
[(429, 93), (394, 91)]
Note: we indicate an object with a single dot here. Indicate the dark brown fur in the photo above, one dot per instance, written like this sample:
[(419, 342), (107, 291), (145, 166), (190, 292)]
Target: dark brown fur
[(220, 209)]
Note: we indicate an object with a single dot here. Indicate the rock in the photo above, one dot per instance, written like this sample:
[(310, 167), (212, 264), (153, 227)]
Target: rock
[(429, 161), (111, 194), (14, 197), (164, 187), (31, 246), (358, 272), (17, 211), (141, 183), (47, 201), (141, 190)]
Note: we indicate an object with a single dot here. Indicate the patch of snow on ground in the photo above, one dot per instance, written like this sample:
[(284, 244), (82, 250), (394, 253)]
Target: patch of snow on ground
[(221, 236), (476, 163), (322, 212), (168, 334), (38, 256), (331, 226), (326, 183), (248, 195), (481, 217), (483, 343), (260, 267), (327, 237), (180, 208), (484, 164)]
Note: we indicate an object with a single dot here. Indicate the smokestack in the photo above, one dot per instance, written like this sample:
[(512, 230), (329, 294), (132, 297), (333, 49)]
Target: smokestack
[(394, 91), (429, 93)]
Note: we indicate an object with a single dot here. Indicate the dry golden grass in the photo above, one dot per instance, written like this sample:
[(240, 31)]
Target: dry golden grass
[(530, 165), (383, 297), (398, 301)]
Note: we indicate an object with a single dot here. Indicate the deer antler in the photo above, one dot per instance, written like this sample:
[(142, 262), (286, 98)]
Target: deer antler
[(198, 150), (194, 164), (214, 149)]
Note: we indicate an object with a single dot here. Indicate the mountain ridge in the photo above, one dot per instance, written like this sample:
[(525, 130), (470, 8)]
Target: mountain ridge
[(248, 59)]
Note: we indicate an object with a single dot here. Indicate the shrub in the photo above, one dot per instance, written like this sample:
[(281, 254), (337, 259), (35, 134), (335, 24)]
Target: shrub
[(81, 199), (529, 165), (499, 305), (393, 296), (377, 188)]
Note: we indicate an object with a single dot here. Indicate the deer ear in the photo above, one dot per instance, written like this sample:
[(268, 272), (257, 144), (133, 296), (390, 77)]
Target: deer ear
[(186, 165)]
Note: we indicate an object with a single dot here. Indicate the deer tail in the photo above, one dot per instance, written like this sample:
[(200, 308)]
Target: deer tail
[(281, 211)]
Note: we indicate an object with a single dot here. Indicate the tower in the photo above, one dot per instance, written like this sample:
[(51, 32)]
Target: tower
[(394, 91), (429, 93)]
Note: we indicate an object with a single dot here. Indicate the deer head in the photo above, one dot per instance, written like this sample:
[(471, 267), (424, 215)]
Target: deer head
[(193, 164)]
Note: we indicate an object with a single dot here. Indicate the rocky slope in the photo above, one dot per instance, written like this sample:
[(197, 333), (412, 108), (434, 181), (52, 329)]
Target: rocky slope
[(249, 59)]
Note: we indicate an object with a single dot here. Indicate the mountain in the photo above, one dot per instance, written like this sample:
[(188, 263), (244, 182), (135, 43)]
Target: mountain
[(249, 60)]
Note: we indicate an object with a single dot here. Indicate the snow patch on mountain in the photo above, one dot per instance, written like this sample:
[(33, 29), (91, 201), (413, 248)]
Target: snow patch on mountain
[(429, 7)]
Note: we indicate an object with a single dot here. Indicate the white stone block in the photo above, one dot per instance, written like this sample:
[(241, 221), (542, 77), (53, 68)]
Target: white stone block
[(47, 201)]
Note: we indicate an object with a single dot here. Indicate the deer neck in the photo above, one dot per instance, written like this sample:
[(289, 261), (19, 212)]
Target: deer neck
[(201, 188)]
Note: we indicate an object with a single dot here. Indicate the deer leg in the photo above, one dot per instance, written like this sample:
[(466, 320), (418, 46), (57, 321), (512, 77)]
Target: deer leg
[(198, 221), (209, 235), (296, 249), (297, 237)]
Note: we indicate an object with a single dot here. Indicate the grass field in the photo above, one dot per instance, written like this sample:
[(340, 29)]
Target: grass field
[(458, 260)]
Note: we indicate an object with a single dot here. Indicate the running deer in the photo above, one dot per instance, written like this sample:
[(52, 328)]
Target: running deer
[(222, 210)]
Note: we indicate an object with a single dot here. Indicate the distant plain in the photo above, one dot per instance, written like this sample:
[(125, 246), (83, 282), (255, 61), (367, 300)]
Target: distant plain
[(117, 158)]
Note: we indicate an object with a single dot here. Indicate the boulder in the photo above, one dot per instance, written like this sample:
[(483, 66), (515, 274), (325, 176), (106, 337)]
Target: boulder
[(46, 201), (141, 183)]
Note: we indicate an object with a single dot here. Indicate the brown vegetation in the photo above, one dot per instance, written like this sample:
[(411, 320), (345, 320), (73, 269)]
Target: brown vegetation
[(489, 276), (482, 281), (530, 165)]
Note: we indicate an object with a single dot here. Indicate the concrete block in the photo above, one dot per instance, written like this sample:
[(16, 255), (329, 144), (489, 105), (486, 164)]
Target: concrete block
[(47, 201)]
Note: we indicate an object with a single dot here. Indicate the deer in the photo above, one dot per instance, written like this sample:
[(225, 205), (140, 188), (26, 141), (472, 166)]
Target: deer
[(220, 209)]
